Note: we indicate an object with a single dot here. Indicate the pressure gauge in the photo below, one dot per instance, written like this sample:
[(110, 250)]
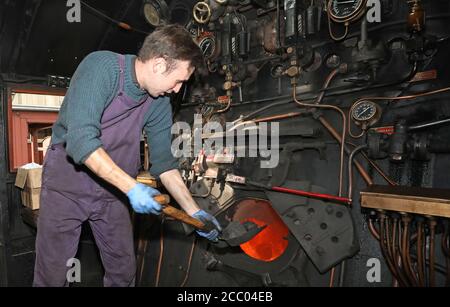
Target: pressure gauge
[(346, 10), (207, 43), (365, 113), (156, 12)]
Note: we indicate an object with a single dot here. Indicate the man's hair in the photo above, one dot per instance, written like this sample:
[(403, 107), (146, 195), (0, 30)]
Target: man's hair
[(171, 42)]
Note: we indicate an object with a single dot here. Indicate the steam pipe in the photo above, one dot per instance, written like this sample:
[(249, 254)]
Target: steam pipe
[(382, 245), (350, 168), (344, 122), (334, 133), (432, 224), (446, 249), (405, 250), (420, 255), (395, 257)]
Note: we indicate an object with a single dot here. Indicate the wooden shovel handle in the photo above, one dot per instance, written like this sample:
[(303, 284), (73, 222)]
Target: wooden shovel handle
[(163, 200)]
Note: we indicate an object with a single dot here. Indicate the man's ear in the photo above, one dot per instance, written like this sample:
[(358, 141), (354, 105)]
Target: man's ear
[(159, 66)]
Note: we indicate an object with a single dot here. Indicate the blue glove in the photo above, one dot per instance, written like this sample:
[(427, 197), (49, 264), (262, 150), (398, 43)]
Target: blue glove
[(208, 219), (141, 199)]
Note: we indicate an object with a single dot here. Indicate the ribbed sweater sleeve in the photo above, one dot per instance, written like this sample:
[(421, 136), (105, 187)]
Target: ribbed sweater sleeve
[(92, 87)]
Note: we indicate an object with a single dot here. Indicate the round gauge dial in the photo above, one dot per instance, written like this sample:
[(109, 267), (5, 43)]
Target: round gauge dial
[(207, 45), (346, 10), (366, 113), (152, 15), (156, 12)]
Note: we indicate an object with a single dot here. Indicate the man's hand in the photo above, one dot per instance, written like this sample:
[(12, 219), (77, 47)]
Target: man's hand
[(141, 199), (205, 217)]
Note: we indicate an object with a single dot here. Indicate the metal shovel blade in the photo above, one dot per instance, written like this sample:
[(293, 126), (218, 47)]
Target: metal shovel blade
[(236, 233)]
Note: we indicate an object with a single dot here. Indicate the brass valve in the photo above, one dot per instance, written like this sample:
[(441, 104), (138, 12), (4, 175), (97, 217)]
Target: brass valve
[(201, 12), (416, 17)]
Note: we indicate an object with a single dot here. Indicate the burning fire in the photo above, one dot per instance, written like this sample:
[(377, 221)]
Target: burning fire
[(270, 243)]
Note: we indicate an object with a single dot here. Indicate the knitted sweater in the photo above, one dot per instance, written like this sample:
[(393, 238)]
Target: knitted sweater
[(92, 88)]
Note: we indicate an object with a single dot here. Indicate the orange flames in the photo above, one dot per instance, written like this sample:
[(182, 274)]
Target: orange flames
[(270, 243)]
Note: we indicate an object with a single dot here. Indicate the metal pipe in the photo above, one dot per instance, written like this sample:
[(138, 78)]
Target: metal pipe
[(446, 249), (341, 164), (408, 258), (406, 97), (335, 134), (363, 31), (266, 119), (383, 247), (373, 230), (405, 238), (312, 194), (327, 82), (378, 169), (432, 225), (389, 250), (420, 255), (350, 169), (394, 253), (431, 124), (397, 256)]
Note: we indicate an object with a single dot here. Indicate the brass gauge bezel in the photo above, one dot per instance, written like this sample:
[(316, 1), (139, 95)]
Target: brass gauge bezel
[(358, 12), (367, 122)]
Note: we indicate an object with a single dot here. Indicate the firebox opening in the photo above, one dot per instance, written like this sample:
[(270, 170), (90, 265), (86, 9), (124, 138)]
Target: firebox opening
[(270, 243)]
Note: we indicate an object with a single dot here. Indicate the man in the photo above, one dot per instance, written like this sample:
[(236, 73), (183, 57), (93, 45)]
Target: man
[(90, 168)]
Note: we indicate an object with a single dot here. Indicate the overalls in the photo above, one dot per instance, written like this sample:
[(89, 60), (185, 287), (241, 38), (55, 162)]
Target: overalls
[(72, 194)]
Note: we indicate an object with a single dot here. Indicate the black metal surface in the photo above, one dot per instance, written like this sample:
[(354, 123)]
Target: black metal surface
[(236, 258), (325, 230), (235, 233), (36, 40)]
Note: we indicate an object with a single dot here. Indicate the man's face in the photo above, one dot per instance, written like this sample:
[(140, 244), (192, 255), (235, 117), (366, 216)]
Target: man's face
[(161, 81)]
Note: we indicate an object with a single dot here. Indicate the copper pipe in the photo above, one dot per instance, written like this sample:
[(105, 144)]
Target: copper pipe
[(395, 256), (326, 106), (389, 98), (279, 116), (420, 255), (143, 249), (189, 262), (445, 242), (399, 264), (327, 82), (389, 246), (225, 108), (373, 230), (332, 271), (445, 89), (350, 169), (374, 165), (379, 170), (408, 259), (432, 224), (334, 133), (404, 252), (349, 128), (383, 247), (266, 119), (161, 253)]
